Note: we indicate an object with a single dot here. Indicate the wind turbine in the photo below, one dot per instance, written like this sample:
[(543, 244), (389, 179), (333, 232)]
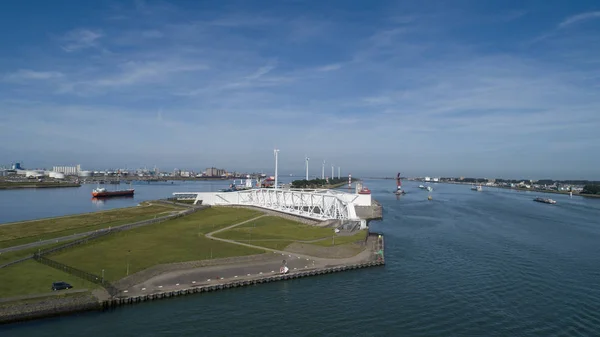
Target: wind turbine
[(307, 159), (276, 152)]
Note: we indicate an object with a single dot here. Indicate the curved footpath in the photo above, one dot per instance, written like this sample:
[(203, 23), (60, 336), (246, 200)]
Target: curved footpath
[(267, 265)]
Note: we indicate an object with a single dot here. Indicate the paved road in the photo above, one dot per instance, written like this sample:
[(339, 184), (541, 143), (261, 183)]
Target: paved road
[(217, 274), (63, 238), (205, 275)]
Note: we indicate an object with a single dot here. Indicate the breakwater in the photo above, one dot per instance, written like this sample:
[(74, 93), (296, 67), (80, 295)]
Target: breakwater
[(192, 289), (16, 186)]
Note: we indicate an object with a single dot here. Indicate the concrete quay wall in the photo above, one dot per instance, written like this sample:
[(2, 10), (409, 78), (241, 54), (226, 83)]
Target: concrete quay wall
[(123, 300)]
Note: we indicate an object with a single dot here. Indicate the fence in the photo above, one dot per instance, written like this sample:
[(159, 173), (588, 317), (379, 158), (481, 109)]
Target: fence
[(112, 290), (79, 273), (103, 232)]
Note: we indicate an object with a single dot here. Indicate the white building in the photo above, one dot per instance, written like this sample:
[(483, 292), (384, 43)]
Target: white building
[(67, 170)]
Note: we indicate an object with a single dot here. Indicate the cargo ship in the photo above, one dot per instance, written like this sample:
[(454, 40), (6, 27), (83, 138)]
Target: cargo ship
[(101, 192)]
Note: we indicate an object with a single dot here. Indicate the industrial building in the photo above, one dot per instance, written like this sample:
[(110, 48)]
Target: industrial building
[(214, 172), (67, 170), (56, 175)]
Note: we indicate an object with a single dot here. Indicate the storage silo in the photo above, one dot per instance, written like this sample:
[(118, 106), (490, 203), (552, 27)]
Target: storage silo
[(85, 173)]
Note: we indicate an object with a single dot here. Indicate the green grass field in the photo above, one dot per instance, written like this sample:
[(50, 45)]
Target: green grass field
[(342, 240), (19, 233), (276, 233), (176, 240), (30, 278), (272, 227), (15, 255)]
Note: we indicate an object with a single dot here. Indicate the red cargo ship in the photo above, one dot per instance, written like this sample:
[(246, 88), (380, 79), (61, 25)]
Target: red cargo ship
[(102, 192)]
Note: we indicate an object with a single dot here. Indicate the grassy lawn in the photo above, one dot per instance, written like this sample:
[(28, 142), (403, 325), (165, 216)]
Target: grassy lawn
[(273, 244), (30, 277), (276, 233), (272, 227), (19, 233), (176, 240), (341, 240), (15, 255)]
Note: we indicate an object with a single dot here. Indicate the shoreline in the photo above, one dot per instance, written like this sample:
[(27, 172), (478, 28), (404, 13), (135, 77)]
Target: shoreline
[(179, 278), (17, 186), (57, 305), (515, 189)]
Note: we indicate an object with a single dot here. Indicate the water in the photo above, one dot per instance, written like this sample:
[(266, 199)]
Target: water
[(491, 263), (28, 204)]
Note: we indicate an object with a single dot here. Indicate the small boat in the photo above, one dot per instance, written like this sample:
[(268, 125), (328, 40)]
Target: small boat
[(101, 192), (429, 188), (364, 190), (545, 200), (477, 188)]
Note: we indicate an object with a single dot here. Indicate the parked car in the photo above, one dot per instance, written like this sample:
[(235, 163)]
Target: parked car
[(61, 286)]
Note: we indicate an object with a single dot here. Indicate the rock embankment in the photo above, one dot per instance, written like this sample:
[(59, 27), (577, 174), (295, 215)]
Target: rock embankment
[(47, 307)]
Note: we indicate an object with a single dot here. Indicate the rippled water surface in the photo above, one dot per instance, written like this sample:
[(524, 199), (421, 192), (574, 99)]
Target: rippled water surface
[(491, 263)]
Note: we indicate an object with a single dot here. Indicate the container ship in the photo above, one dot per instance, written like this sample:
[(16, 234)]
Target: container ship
[(102, 193)]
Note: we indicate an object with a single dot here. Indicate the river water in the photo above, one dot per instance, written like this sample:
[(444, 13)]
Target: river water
[(491, 263)]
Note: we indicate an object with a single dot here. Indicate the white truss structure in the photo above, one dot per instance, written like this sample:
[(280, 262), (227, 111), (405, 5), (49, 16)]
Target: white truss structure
[(316, 204)]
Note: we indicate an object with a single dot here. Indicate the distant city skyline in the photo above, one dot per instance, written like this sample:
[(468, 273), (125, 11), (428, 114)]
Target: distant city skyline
[(483, 89), (289, 167)]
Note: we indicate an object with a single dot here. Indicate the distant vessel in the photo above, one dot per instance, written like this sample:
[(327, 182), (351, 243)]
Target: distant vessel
[(545, 200), (399, 189), (364, 190), (429, 188), (477, 188), (101, 192)]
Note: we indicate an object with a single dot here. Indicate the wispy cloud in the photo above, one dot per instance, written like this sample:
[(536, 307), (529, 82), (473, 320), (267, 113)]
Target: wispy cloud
[(330, 67), (579, 18), (263, 70), (27, 74), (80, 39), (431, 82)]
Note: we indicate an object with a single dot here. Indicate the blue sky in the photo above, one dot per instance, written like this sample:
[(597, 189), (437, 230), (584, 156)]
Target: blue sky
[(487, 88)]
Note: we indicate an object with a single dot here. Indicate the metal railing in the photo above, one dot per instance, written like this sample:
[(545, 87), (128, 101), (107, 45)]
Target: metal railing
[(76, 272)]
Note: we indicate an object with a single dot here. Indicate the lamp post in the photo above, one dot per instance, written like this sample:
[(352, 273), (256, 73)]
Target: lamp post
[(276, 152), (323, 171), (339, 172), (307, 159), (331, 171), (128, 253)]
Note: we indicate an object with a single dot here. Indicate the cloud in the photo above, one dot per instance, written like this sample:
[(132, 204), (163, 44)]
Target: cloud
[(330, 67), (435, 93), (27, 74), (152, 34), (260, 72), (80, 39), (579, 18)]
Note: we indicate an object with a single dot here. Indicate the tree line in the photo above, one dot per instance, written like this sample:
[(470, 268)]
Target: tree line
[(591, 189)]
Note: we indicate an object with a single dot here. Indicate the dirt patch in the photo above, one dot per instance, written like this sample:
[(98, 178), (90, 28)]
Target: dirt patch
[(336, 252)]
